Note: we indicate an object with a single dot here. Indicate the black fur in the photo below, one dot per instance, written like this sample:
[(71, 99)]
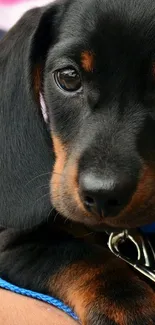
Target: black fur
[(107, 129)]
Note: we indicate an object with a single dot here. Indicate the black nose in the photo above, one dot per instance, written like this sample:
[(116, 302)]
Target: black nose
[(105, 196)]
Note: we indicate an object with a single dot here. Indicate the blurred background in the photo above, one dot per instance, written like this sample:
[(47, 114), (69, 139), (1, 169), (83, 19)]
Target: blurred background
[(12, 10)]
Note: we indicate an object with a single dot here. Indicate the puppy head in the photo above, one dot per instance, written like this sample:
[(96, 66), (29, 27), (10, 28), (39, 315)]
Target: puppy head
[(93, 62), (99, 88)]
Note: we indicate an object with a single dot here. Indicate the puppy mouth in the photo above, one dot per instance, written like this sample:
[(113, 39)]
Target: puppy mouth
[(70, 207), (139, 211), (67, 202)]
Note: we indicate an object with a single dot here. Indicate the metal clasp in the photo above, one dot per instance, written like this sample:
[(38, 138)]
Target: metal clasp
[(145, 259)]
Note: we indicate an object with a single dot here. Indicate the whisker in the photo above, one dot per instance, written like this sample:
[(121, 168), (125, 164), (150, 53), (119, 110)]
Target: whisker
[(57, 173), (50, 212), (36, 178), (41, 175), (55, 216), (66, 219), (45, 185), (40, 199), (90, 233), (48, 216)]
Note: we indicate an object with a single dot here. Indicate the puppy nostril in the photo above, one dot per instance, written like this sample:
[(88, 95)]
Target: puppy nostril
[(89, 201), (103, 196)]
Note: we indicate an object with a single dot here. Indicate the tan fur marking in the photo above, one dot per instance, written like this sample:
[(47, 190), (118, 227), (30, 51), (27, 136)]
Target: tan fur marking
[(87, 60), (144, 188), (73, 186), (80, 285), (60, 153)]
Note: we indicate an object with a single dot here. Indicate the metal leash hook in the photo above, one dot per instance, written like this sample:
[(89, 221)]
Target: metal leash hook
[(145, 261)]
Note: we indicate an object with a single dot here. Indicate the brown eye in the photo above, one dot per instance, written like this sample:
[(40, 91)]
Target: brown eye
[(68, 79)]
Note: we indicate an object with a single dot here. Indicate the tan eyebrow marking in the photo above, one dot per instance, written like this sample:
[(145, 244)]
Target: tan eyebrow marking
[(87, 60)]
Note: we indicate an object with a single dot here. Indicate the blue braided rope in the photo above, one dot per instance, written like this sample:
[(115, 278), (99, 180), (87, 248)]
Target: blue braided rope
[(36, 295)]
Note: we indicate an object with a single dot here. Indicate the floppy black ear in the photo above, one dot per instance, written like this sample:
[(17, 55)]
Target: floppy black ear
[(26, 156)]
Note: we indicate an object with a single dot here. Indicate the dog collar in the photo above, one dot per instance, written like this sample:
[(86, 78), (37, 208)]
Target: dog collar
[(144, 262)]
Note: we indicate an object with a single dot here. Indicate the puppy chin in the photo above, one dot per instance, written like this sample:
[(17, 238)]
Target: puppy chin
[(105, 228)]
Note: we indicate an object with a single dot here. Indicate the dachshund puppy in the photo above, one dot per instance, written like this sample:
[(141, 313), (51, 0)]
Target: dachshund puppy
[(77, 151)]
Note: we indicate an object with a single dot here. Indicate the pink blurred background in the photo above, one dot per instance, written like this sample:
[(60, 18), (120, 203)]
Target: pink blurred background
[(12, 10)]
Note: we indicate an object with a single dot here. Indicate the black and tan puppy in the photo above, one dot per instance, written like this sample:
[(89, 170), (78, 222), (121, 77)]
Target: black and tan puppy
[(91, 162)]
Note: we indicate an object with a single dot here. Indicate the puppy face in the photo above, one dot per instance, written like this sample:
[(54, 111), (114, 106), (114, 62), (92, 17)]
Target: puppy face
[(99, 87), (94, 63)]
